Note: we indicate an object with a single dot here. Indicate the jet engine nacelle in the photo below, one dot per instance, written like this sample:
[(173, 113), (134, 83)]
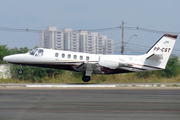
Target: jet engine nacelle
[(111, 62)]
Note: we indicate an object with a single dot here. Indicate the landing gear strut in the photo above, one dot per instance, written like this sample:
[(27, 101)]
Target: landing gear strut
[(20, 71), (86, 78), (87, 73)]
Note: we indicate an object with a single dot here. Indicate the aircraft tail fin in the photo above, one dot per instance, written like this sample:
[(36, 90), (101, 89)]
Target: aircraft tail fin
[(160, 52)]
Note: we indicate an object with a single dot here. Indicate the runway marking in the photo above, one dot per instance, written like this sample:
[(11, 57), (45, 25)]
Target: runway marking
[(130, 111), (67, 101)]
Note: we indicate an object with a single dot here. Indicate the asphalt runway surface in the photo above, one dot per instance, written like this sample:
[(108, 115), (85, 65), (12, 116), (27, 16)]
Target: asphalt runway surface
[(89, 104)]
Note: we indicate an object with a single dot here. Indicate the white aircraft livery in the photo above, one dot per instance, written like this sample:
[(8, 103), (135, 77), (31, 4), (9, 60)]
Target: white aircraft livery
[(154, 59)]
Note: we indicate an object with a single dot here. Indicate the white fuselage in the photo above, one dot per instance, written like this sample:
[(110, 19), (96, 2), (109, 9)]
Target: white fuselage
[(67, 60)]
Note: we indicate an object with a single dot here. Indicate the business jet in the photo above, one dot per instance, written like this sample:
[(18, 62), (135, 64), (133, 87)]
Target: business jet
[(154, 59)]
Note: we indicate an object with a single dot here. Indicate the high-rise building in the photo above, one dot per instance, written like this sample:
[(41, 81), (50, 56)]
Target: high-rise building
[(81, 41), (88, 42), (109, 46), (51, 38), (71, 40)]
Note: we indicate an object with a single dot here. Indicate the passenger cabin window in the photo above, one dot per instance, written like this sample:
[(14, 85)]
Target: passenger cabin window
[(63, 55), (87, 58), (69, 56), (81, 57), (56, 54), (75, 56)]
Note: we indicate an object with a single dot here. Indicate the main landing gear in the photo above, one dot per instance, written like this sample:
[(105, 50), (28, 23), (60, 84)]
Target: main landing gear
[(20, 71), (86, 78)]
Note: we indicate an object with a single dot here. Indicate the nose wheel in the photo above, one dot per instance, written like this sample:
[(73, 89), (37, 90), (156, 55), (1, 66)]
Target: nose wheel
[(20, 71)]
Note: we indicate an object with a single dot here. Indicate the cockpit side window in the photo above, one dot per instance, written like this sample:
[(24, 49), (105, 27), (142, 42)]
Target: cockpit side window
[(40, 52)]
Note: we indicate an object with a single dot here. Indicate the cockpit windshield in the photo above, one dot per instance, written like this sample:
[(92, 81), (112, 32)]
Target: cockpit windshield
[(32, 52), (37, 52)]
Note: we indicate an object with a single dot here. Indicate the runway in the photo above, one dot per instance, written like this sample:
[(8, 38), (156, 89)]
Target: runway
[(88, 104)]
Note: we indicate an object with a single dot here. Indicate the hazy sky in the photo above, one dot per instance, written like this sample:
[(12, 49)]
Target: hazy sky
[(161, 15)]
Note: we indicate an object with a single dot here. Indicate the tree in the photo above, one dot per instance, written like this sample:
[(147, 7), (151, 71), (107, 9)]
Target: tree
[(172, 70), (4, 51), (20, 50)]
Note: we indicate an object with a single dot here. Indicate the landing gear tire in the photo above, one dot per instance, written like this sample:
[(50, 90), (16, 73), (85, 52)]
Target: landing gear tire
[(86, 78), (20, 72)]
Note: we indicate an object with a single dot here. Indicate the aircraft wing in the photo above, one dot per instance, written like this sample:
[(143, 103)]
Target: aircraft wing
[(84, 67)]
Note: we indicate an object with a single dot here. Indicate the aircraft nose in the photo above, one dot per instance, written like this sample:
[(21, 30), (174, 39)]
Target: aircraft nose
[(6, 58), (14, 58)]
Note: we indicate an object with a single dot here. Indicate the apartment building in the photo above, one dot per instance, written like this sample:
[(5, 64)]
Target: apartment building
[(81, 41), (71, 40), (88, 42), (51, 38), (101, 42), (59, 40), (109, 46)]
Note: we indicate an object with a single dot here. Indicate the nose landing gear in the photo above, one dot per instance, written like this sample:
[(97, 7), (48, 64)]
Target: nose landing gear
[(20, 71)]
